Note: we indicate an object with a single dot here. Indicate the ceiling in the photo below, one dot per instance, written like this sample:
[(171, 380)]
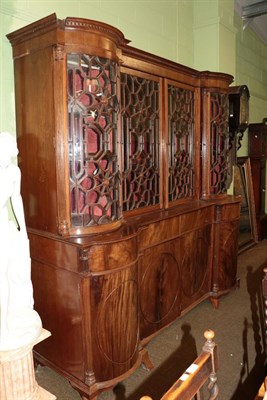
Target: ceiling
[(254, 15)]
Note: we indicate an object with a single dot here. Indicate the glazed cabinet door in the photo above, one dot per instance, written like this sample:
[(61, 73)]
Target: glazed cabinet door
[(182, 142), (92, 143), (216, 166), (141, 162)]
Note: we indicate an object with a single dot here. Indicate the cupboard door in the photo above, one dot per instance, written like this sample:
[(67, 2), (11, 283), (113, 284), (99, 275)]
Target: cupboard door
[(196, 257), (226, 247), (58, 302), (160, 287), (173, 276), (227, 256), (115, 326)]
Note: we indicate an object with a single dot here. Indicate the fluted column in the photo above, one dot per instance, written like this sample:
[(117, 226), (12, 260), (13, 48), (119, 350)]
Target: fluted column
[(17, 374)]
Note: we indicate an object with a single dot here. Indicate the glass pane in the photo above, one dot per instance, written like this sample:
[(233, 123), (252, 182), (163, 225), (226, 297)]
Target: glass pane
[(93, 112), (219, 146), (181, 142), (140, 125)]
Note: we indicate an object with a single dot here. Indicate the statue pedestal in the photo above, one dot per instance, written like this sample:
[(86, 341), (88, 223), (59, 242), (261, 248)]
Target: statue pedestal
[(17, 374)]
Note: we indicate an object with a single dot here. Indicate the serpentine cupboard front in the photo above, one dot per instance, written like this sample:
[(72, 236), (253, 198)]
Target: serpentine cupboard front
[(125, 168)]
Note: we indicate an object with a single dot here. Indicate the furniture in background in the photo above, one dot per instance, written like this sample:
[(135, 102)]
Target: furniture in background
[(264, 296), (203, 370), (257, 150), (238, 115), (125, 169), (262, 394), (238, 123), (243, 187)]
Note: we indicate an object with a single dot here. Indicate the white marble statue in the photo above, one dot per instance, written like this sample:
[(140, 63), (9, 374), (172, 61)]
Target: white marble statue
[(20, 324)]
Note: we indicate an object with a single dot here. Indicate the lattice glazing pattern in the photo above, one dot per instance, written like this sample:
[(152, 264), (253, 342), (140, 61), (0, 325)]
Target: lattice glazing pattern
[(93, 110), (140, 125), (181, 133), (219, 146)]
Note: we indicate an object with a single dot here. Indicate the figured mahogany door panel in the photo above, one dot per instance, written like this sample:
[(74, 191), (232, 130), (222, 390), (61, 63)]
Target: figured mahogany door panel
[(58, 302), (227, 257), (115, 330), (160, 287), (195, 264)]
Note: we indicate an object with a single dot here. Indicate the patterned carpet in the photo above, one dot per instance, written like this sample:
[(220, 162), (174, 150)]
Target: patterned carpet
[(238, 325)]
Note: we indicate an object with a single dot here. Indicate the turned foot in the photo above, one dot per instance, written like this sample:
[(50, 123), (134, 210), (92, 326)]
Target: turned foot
[(89, 396), (215, 302), (146, 362)]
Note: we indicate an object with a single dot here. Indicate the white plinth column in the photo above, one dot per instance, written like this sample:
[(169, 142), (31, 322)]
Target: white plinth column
[(17, 374)]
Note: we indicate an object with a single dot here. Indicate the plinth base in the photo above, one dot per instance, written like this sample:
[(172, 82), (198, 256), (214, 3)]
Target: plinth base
[(45, 395), (17, 375)]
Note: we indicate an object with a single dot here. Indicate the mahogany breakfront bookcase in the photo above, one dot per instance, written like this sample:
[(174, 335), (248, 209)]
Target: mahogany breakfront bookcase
[(125, 168)]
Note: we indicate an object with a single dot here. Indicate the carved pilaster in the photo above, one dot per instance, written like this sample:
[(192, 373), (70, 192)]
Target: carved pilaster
[(84, 256), (215, 286), (218, 212), (90, 378), (59, 52), (63, 228)]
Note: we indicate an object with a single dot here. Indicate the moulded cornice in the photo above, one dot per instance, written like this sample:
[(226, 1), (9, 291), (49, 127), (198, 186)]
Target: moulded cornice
[(95, 26)]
